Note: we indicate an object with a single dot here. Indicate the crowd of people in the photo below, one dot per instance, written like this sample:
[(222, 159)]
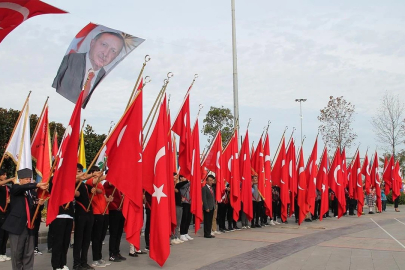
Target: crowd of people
[(97, 208)]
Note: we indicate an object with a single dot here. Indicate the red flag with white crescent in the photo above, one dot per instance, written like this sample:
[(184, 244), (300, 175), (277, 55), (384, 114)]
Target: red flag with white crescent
[(15, 12)]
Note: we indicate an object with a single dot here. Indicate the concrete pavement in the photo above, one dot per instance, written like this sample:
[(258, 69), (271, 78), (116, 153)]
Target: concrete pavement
[(347, 243)]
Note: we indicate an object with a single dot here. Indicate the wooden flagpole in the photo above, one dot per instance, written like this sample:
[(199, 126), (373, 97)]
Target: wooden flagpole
[(15, 126)]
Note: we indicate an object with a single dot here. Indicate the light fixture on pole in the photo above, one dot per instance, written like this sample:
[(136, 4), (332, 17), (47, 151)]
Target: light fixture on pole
[(300, 100)]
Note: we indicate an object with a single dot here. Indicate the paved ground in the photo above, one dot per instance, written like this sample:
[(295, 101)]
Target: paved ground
[(369, 242)]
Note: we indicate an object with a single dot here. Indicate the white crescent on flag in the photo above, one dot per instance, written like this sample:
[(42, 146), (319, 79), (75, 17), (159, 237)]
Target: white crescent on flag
[(121, 135), (218, 156), (16, 7), (335, 174), (229, 163), (185, 120), (290, 168), (159, 154), (300, 187), (192, 162)]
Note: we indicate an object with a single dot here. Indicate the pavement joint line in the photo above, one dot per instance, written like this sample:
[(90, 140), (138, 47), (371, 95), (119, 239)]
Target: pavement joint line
[(399, 221), (353, 247), (388, 233)]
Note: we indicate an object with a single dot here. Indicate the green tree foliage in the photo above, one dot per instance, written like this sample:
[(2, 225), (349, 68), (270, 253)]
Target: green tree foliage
[(400, 156), (218, 118), (401, 198), (92, 143)]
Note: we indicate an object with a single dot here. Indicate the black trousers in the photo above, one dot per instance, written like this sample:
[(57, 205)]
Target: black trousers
[(263, 213), (60, 229), (83, 229), (3, 236), (317, 209), (37, 224), (256, 212), (396, 202), (276, 209), (147, 227), (384, 205), (50, 237), (116, 228), (208, 222), (296, 209), (222, 207), (229, 217), (185, 219), (98, 233)]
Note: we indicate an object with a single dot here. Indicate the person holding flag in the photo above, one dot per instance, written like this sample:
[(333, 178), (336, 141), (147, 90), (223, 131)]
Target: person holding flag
[(4, 211)]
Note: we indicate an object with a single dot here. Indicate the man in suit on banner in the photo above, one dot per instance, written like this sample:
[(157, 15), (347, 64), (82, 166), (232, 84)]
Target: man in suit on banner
[(84, 71)]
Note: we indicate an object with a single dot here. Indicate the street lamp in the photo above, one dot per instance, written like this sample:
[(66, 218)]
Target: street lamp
[(300, 100)]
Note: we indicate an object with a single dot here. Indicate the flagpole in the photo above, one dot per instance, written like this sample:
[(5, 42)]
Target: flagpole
[(106, 140), (106, 207), (169, 75), (147, 59), (185, 97), (316, 140), (279, 145), (289, 140), (95, 185), (39, 119), (298, 156), (210, 146), (15, 126)]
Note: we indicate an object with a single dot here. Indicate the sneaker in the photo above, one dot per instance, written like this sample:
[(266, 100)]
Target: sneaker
[(222, 231), (272, 223), (114, 258), (183, 238), (276, 222), (119, 256), (248, 227), (97, 264), (244, 228), (180, 241), (237, 228), (189, 237), (50, 250), (65, 267), (86, 266), (105, 262), (147, 248), (37, 252), (77, 267), (132, 254), (103, 243), (2, 258), (231, 230), (217, 232)]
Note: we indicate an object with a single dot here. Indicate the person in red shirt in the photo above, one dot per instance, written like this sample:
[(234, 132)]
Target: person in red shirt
[(116, 221), (100, 225)]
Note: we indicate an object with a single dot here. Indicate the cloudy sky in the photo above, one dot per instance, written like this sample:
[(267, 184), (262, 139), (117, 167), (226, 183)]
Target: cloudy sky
[(299, 49)]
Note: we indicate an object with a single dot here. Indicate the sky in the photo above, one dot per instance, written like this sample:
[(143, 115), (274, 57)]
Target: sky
[(285, 51)]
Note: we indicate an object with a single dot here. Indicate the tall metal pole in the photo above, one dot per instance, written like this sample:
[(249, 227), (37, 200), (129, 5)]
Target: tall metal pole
[(300, 100), (235, 70)]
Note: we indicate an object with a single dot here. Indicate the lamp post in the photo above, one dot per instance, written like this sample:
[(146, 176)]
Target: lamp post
[(300, 100)]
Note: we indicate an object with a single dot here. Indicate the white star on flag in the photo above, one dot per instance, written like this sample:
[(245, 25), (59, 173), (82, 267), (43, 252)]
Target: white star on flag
[(158, 192)]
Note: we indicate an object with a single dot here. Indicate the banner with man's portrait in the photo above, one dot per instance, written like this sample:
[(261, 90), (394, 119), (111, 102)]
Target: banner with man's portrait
[(92, 54)]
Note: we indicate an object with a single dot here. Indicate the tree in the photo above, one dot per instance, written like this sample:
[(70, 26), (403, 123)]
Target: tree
[(218, 119), (388, 123), (336, 123), (92, 143)]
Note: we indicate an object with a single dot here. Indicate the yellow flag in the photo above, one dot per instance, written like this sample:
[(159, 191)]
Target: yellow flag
[(81, 158)]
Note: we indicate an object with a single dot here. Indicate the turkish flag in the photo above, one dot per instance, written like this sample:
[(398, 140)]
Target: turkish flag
[(55, 145), (41, 151), (350, 185), (258, 166), (365, 170), (375, 181), (302, 188), (124, 159), (396, 182), (182, 128), (159, 227), (356, 178), (15, 12), (63, 189), (268, 191), (195, 183), (245, 173), (322, 184), (292, 175), (280, 175), (310, 173), (335, 180), (388, 174), (170, 184), (213, 162), (231, 173)]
